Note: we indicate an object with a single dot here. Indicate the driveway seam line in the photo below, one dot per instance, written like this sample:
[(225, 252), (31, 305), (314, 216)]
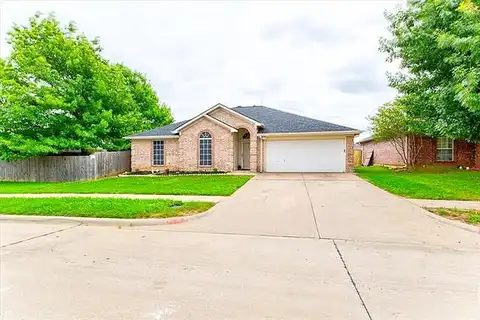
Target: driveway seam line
[(40, 236), (351, 280), (311, 207), (227, 233)]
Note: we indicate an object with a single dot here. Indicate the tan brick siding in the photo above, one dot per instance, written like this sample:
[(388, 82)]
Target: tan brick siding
[(222, 144), (142, 155), (260, 154), (349, 154), (239, 122)]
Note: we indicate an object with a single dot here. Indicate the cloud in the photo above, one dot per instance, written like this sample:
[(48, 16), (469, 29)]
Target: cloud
[(359, 77), (305, 30), (302, 57)]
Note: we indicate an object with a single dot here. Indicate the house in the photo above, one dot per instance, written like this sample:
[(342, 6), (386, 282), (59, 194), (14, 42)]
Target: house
[(254, 138), (433, 151)]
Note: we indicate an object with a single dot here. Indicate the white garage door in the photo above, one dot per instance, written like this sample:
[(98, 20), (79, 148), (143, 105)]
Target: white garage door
[(305, 156)]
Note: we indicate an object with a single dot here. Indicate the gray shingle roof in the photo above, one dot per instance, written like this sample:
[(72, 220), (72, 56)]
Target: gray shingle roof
[(162, 131), (277, 121), (366, 139)]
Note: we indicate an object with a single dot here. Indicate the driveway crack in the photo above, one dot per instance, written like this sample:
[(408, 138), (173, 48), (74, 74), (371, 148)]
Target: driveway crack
[(351, 280), (311, 207), (40, 236)]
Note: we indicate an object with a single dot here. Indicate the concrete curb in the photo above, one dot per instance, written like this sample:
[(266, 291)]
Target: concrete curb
[(104, 221), (184, 198), (454, 204), (246, 173), (453, 223)]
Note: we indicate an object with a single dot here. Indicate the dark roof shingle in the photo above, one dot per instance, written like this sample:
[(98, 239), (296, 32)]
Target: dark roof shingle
[(277, 121), (162, 131), (274, 121)]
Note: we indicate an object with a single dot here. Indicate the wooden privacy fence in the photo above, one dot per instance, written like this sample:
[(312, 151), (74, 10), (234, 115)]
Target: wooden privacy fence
[(357, 157), (66, 168)]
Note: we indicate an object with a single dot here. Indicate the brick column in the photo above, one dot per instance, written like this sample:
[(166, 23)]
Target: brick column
[(349, 154), (253, 153)]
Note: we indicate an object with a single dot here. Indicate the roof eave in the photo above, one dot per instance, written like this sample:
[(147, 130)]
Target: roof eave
[(315, 133), (149, 137)]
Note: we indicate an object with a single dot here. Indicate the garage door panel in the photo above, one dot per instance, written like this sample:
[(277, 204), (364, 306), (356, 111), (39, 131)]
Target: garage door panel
[(305, 156)]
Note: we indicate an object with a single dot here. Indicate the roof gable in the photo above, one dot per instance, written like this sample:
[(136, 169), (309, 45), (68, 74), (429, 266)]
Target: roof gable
[(205, 113)]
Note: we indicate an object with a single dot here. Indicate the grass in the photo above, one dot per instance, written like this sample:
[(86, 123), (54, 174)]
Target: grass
[(429, 183), (208, 185), (101, 207), (467, 216)]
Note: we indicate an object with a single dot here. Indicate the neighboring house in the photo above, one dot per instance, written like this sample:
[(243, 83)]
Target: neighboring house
[(248, 138), (434, 151)]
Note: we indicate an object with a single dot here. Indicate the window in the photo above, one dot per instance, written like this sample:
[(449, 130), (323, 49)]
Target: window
[(444, 149), (246, 135), (205, 149), (158, 153)]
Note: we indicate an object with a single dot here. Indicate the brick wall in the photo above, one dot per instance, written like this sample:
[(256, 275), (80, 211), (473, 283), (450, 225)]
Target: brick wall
[(464, 153), (477, 155), (384, 153), (222, 146), (238, 122), (349, 154), (142, 155)]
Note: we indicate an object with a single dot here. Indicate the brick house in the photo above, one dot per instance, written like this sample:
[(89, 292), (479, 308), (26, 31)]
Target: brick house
[(434, 151), (253, 138)]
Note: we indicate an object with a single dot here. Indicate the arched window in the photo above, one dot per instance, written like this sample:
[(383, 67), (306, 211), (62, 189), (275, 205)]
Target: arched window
[(205, 149), (246, 135)]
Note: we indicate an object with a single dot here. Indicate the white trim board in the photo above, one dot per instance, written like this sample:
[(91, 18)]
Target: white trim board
[(319, 133)]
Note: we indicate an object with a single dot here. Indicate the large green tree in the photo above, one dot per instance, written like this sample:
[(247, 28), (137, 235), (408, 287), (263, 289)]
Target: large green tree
[(438, 45), (58, 93)]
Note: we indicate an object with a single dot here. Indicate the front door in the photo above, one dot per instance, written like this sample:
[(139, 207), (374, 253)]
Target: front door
[(246, 155)]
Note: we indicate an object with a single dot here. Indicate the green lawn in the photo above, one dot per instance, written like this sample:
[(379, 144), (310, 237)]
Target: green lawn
[(101, 207), (436, 183), (209, 185), (468, 216)]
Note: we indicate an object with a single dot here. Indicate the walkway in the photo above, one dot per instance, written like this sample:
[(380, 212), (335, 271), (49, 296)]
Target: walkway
[(117, 196), (425, 203)]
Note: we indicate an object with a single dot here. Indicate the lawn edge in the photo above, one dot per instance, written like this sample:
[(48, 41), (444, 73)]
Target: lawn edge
[(454, 223), (105, 221)]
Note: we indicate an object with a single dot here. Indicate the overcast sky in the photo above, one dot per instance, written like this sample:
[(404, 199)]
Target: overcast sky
[(319, 59)]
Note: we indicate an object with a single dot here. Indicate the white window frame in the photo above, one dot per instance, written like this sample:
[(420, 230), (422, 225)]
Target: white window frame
[(205, 159), (158, 152), (439, 142)]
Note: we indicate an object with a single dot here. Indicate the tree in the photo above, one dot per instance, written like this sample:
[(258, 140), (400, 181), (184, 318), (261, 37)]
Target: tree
[(58, 93), (393, 125), (437, 44)]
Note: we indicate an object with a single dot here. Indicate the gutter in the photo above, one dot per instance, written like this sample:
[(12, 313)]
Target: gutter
[(321, 133), (149, 137)]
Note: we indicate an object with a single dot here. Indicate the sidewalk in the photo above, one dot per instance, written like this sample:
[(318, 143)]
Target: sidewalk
[(446, 204), (115, 195)]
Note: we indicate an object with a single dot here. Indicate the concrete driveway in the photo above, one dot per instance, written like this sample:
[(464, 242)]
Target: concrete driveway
[(290, 246)]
